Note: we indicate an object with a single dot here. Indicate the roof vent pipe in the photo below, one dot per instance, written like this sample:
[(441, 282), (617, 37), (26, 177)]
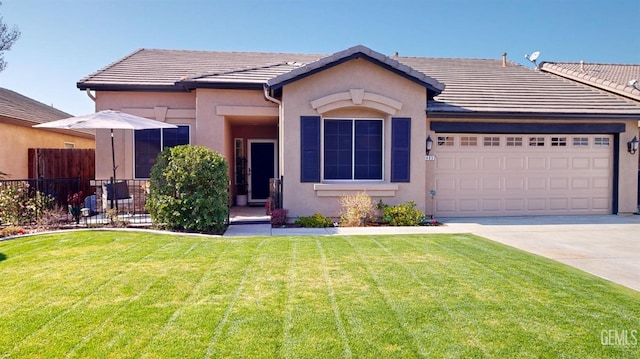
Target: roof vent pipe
[(504, 59), (581, 65)]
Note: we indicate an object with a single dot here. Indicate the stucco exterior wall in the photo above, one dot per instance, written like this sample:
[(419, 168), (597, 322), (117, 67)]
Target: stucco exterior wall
[(206, 111), (16, 140), (304, 199)]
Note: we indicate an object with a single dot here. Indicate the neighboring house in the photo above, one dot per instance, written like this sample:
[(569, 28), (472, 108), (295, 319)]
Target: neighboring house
[(619, 79), (17, 114), (507, 140)]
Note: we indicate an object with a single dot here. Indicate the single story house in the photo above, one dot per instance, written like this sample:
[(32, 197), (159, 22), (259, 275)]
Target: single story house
[(459, 137), (17, 114)]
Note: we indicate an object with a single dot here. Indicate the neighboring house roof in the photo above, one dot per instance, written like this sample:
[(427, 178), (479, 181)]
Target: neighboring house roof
[(19, 109), (472, 86), (614, 78)]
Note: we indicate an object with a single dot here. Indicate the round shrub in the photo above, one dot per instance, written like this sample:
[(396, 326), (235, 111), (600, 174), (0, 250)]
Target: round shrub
[(189, 190), (315, 221), (403, 214)]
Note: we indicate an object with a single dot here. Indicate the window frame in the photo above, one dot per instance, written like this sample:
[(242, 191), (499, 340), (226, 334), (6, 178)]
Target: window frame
[(161, 145), (353, 144)]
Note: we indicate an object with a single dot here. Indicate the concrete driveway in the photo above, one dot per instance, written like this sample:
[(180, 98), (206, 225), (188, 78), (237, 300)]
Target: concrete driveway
[(606, 246)]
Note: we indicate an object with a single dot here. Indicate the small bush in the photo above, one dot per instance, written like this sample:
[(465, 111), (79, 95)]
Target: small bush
[(51, 218), (20, 205), (403, 214), (11, 231), (279, 217), (355, 210), (189, 190), (315, 221)]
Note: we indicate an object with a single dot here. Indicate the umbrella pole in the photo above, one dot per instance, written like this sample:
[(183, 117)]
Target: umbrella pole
[(113, 179)]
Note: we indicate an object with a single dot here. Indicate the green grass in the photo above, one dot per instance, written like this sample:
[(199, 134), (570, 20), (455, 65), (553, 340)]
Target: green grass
[(121, 294)]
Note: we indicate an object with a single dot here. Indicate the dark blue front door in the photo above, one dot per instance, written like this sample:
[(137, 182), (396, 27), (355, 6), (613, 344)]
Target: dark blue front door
[(262, 169)]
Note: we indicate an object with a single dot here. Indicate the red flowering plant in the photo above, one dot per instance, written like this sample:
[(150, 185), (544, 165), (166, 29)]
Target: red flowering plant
[(75, 201)]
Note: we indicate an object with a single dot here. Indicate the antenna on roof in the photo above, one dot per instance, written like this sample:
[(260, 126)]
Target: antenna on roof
[(533, 57)]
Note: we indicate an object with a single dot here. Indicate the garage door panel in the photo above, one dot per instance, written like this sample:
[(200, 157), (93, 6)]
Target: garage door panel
[(514, 177), (580, 163), (470, 184), (469, 205), (558, 183), (514, 163), (469, 163), (491, 184), (559, 163), (578, 183), (445, 163), (580, 203), (537, 163), (516, 204), (601, 204), (515, 184), (558, 204), (600, 183), (491, 205), (536, 183), (491, 163), (601, 163)]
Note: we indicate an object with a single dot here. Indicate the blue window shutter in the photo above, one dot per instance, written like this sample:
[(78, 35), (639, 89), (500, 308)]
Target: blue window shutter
[(400, 149), (310, 149)]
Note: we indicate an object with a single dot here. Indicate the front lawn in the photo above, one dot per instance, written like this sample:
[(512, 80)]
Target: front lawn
[(94, 294)]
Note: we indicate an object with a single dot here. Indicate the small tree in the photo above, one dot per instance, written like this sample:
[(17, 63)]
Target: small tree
[(189, 190), (7, 38)]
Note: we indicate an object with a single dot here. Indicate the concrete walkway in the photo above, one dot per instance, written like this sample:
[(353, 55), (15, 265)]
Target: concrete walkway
[(607, 246)]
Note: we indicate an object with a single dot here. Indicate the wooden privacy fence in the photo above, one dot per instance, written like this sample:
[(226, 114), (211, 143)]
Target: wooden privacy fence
[(62, 163)]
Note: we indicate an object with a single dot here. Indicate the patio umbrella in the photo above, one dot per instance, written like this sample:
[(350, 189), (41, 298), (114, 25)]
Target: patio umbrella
[(107, 119)]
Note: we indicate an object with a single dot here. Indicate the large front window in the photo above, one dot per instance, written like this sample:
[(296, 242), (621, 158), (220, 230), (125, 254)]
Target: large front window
[(148, 143), (353, 149)]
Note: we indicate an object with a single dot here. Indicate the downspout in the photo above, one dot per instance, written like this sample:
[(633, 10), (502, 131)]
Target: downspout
[(91, 96), (268, 96)]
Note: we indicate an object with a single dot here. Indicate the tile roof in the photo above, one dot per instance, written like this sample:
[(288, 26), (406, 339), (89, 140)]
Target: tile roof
[(609, 77), (471, 85), (353, 52), (25, 110)]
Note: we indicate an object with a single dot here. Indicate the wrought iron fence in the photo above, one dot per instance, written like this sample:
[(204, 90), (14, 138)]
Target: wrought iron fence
[(89, 202)]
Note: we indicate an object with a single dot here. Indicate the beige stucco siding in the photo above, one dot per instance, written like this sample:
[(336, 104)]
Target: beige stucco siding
[(303, 199), (16, 140), (200, 109)]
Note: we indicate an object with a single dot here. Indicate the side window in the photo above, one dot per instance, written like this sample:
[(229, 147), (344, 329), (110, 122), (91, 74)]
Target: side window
[(149, 143)]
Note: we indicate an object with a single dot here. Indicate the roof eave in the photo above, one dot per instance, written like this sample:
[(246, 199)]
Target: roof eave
[(533, 115), (130, 87)]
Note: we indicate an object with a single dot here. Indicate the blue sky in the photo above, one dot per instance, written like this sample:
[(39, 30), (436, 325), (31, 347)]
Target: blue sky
[(65, 40)]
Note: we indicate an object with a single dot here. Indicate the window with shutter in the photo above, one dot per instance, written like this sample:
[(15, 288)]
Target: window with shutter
[(310, 149), (400, 149)]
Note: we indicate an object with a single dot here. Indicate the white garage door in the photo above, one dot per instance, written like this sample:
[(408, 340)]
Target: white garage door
[(514, 175)]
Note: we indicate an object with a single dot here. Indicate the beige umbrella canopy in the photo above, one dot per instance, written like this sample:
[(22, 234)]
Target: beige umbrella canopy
[(107, 119)]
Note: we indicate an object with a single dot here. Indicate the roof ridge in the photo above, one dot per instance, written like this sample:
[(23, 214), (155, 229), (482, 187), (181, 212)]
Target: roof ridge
[(590, 63)]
